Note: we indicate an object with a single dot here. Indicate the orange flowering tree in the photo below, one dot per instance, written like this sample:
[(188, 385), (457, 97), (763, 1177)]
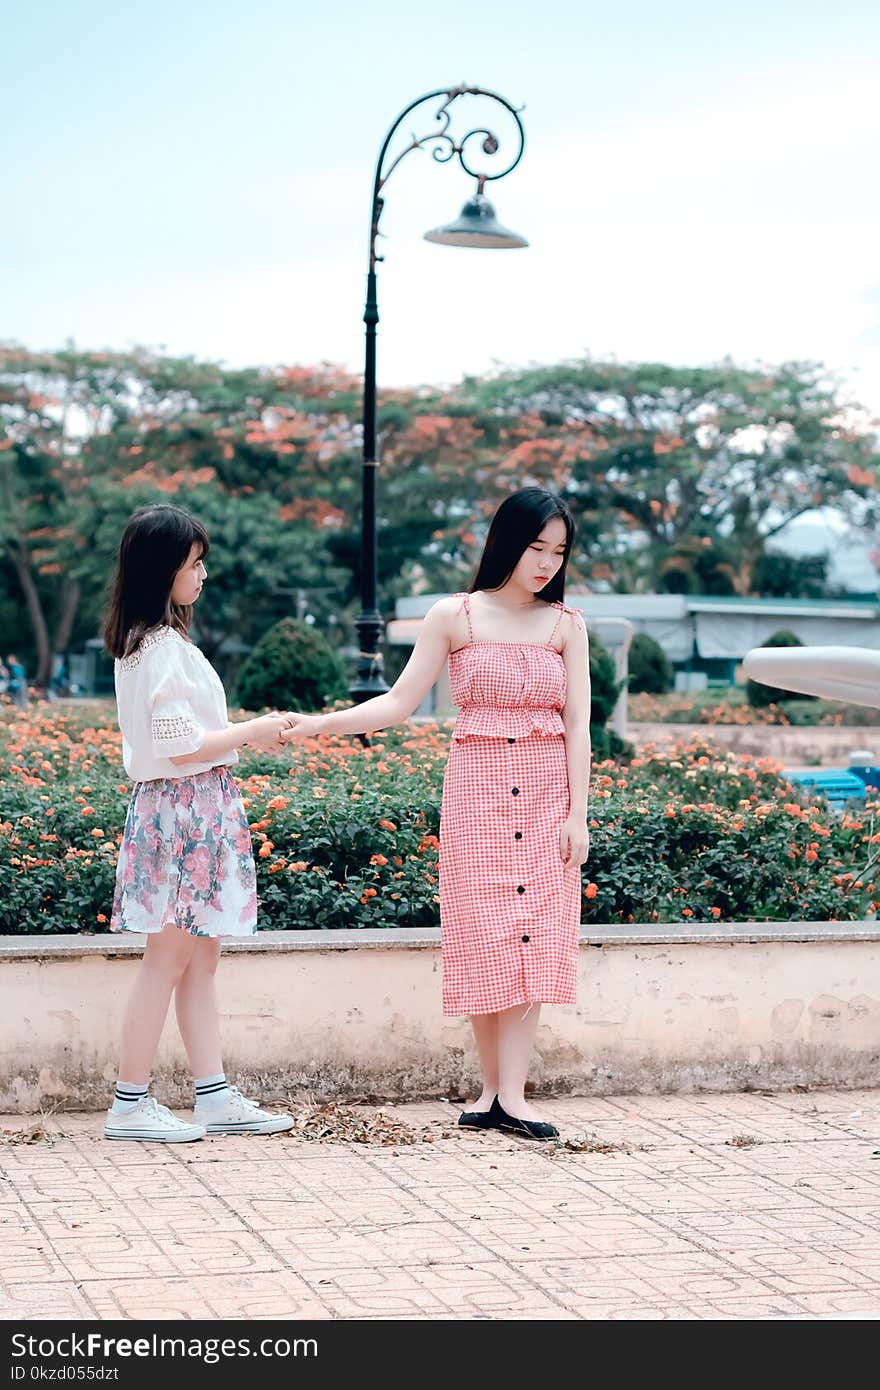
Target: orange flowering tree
[(86, 437), (683, 475), (678, 478)]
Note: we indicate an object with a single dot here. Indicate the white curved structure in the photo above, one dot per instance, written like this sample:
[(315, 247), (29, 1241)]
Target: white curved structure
[(836, 673)]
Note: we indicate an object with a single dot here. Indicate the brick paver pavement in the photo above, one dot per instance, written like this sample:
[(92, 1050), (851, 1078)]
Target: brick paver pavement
[(676, 1222)]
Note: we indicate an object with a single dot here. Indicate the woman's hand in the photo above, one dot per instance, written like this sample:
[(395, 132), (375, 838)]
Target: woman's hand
[(303, 726), (264, 733), (574, 843)]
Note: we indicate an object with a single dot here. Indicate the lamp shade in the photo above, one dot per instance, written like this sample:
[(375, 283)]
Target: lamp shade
[(477, 226)]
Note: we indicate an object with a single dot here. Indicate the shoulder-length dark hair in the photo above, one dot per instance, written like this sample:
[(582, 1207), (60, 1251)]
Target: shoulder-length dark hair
[(155, 544), (518, 521)]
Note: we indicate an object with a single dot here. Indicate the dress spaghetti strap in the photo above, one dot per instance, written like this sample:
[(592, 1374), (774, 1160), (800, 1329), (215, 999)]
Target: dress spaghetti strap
[(466, 604), (561, 608)]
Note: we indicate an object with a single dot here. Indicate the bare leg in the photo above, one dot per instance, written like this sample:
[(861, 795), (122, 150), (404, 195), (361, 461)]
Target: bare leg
[(485, 1028), (516, 1042), (166, 957), (195, 1002)]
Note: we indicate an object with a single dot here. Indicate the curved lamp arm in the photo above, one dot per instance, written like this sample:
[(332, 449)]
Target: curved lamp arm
[(445, 148), (837, 673)]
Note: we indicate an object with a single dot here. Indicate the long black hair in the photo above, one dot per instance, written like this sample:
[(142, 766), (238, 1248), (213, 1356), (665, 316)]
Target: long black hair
[(518, 521), (155, 544)]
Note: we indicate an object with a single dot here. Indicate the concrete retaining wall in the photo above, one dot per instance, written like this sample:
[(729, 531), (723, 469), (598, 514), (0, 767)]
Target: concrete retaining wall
[(357, 1014)]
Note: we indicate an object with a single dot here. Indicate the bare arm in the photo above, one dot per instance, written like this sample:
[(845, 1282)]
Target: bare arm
[(574, 837), (260, 733), (576, 715), (420, 673)]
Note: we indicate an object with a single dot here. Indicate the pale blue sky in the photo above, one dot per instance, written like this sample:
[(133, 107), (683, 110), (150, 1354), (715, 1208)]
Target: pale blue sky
[(698, 181)]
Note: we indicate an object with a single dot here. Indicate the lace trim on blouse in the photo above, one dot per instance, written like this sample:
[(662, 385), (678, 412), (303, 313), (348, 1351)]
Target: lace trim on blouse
[(168, 730), (150, 639)]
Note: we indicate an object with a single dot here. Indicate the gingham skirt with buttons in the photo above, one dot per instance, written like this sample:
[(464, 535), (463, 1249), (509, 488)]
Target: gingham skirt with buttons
[(509, 910)]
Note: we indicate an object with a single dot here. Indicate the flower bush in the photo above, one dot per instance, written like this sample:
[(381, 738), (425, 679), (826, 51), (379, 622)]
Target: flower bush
[(730, 707), (347, 836)]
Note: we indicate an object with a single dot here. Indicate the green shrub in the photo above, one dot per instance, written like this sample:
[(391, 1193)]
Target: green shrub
[(605, 687), (650, 671), (760, 696), (348, 837), (291, 667)]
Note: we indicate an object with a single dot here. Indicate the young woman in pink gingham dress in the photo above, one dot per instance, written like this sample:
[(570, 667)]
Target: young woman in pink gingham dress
[(509, 910), (513, 831)]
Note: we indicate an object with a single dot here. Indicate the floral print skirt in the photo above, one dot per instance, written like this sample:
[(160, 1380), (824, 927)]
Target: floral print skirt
[(186, 857)]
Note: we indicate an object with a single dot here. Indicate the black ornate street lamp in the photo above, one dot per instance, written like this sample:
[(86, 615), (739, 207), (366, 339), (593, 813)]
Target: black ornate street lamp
[(475, 226)]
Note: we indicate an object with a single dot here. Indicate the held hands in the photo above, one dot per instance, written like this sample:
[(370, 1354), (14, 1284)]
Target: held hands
[(574, 843), (303, 726), (264, 733)]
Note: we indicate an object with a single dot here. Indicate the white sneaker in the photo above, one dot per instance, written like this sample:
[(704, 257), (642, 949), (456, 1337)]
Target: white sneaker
[(150, 1120), (235, 1114)]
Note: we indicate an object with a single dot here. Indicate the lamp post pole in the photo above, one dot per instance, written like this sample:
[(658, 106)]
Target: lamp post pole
[(476, 226)]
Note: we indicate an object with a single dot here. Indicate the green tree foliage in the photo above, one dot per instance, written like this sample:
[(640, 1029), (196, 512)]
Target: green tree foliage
[(679, 479), (650, 456), (86, 437), (291, 667), (604, 690), (650, 671), (759, 695), (792, 576)]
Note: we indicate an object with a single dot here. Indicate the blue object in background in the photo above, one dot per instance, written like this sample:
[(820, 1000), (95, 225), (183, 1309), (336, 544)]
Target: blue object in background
[(861, 765), (838, 785)]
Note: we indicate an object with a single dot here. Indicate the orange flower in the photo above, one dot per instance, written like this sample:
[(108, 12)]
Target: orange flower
[(298, 865), (88, 811), (98, 834), (591, 890), (278, 803), (811, 856), (388, 825), (686, 912), (266, 849), (101, 917), (715, 911), (378, 859)]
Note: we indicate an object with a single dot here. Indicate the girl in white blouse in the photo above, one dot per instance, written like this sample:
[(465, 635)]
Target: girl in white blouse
[(186, 873)]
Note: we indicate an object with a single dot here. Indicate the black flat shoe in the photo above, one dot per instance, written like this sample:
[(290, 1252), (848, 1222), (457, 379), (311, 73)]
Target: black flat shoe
[(528, 1129), (481, 1119)]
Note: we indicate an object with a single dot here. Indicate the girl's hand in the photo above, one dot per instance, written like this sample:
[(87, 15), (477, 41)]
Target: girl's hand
[(264, 733), (574, 843), (303, 726)]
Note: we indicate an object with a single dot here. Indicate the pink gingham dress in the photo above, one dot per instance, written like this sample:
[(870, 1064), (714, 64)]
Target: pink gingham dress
[(509, 911)]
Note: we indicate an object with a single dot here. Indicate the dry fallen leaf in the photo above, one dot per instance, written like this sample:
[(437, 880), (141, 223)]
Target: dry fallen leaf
[(37, 1133), (742, 1141), (592, 1144), (353, 1124)]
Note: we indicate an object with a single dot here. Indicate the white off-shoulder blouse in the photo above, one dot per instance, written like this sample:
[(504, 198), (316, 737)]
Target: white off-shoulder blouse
[(168, 697)]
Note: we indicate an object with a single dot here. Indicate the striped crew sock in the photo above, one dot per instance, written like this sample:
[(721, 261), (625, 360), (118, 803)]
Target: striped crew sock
[(211, 1089), (128, 1093)]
